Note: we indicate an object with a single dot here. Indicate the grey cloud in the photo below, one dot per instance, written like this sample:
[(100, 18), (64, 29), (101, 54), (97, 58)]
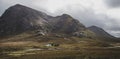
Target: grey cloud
[(113, 3), (86, 16), (116, 33), (114, 28)]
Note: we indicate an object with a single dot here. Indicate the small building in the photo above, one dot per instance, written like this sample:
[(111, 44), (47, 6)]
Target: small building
[(52, 44), (48, 45)]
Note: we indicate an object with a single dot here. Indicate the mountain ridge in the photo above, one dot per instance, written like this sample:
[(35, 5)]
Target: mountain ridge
[(19, 19)]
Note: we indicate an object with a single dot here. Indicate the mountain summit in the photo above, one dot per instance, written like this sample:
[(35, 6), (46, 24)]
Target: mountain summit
[(19, 18)]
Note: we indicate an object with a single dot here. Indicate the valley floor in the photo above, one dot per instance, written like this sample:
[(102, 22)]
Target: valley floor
[(36, 50)]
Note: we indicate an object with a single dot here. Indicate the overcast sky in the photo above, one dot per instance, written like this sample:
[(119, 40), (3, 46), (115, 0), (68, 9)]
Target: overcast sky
[(102, 13)]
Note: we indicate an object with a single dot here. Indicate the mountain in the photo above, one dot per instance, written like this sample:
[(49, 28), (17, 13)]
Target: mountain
[(19, 19), (100, 32), (66, 24)]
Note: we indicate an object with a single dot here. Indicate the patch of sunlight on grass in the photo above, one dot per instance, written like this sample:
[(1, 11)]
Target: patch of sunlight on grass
[(20, 53)]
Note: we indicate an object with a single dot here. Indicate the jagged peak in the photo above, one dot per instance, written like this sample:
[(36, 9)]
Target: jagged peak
[(65, 15), (22, 9), (95, 27), (18, 5), (17, 8)]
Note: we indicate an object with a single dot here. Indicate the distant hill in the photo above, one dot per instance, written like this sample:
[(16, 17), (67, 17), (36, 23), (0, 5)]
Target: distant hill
[(100, 32)]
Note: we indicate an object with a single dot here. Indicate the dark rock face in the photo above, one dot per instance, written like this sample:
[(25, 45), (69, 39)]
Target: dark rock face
[(66, 24), (100, 32), (19, 18)]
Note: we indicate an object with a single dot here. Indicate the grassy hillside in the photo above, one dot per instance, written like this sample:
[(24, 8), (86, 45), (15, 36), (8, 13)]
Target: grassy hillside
[(83, 53)]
